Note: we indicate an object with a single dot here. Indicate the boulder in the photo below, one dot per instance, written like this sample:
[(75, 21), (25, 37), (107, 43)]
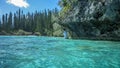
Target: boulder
[(57, 30), (22, 32)]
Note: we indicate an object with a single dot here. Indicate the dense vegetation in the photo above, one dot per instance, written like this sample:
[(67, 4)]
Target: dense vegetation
[(39, 22)]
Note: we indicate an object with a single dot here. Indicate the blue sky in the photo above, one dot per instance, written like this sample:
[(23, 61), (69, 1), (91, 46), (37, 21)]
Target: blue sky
[(7, 6)]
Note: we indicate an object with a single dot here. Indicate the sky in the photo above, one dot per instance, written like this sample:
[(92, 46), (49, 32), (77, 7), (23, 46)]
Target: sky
[(7, 6)]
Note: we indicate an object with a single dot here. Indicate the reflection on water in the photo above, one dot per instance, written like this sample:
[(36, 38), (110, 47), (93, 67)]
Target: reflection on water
[(50, 52)]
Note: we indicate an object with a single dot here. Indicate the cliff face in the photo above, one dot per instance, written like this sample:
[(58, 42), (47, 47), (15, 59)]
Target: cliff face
[(93, 18)]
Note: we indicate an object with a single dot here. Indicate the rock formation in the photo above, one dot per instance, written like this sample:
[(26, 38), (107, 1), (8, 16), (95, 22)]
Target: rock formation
[(91, 18)]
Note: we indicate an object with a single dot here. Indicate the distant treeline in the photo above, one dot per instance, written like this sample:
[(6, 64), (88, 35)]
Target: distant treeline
[(39, 21)]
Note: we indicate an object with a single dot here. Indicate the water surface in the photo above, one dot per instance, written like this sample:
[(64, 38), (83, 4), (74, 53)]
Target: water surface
[(52, 52)]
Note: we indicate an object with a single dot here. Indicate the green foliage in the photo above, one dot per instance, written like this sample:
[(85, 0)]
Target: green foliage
[(65, 9), (66, 6), (31, 22), (0, 26), (9, 24)]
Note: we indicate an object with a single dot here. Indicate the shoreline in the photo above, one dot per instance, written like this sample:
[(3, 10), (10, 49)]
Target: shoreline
[(101, 38), (78, 38)]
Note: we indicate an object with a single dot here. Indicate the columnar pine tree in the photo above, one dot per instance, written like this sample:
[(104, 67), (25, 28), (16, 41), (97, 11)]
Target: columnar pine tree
[(3, 22), (0, 26), (10, 21), (31, 22)]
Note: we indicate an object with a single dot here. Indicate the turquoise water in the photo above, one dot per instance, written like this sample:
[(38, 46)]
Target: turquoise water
[(51, 52)]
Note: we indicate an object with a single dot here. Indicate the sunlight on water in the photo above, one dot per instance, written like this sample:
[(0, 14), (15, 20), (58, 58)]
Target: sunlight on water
[(51, 52)]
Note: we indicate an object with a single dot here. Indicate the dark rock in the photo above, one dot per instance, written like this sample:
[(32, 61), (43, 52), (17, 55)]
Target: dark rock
[(93, 18)]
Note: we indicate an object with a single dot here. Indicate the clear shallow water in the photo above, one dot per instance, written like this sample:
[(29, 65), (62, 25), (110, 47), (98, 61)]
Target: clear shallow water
[(51, 52)]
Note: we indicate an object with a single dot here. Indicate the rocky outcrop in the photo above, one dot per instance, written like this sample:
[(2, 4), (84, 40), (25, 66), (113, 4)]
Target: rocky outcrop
[(22, 32), (93, 18), (57, 30)]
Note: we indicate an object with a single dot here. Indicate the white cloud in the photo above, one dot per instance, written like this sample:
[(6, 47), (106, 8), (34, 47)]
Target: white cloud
[(18, 3)]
